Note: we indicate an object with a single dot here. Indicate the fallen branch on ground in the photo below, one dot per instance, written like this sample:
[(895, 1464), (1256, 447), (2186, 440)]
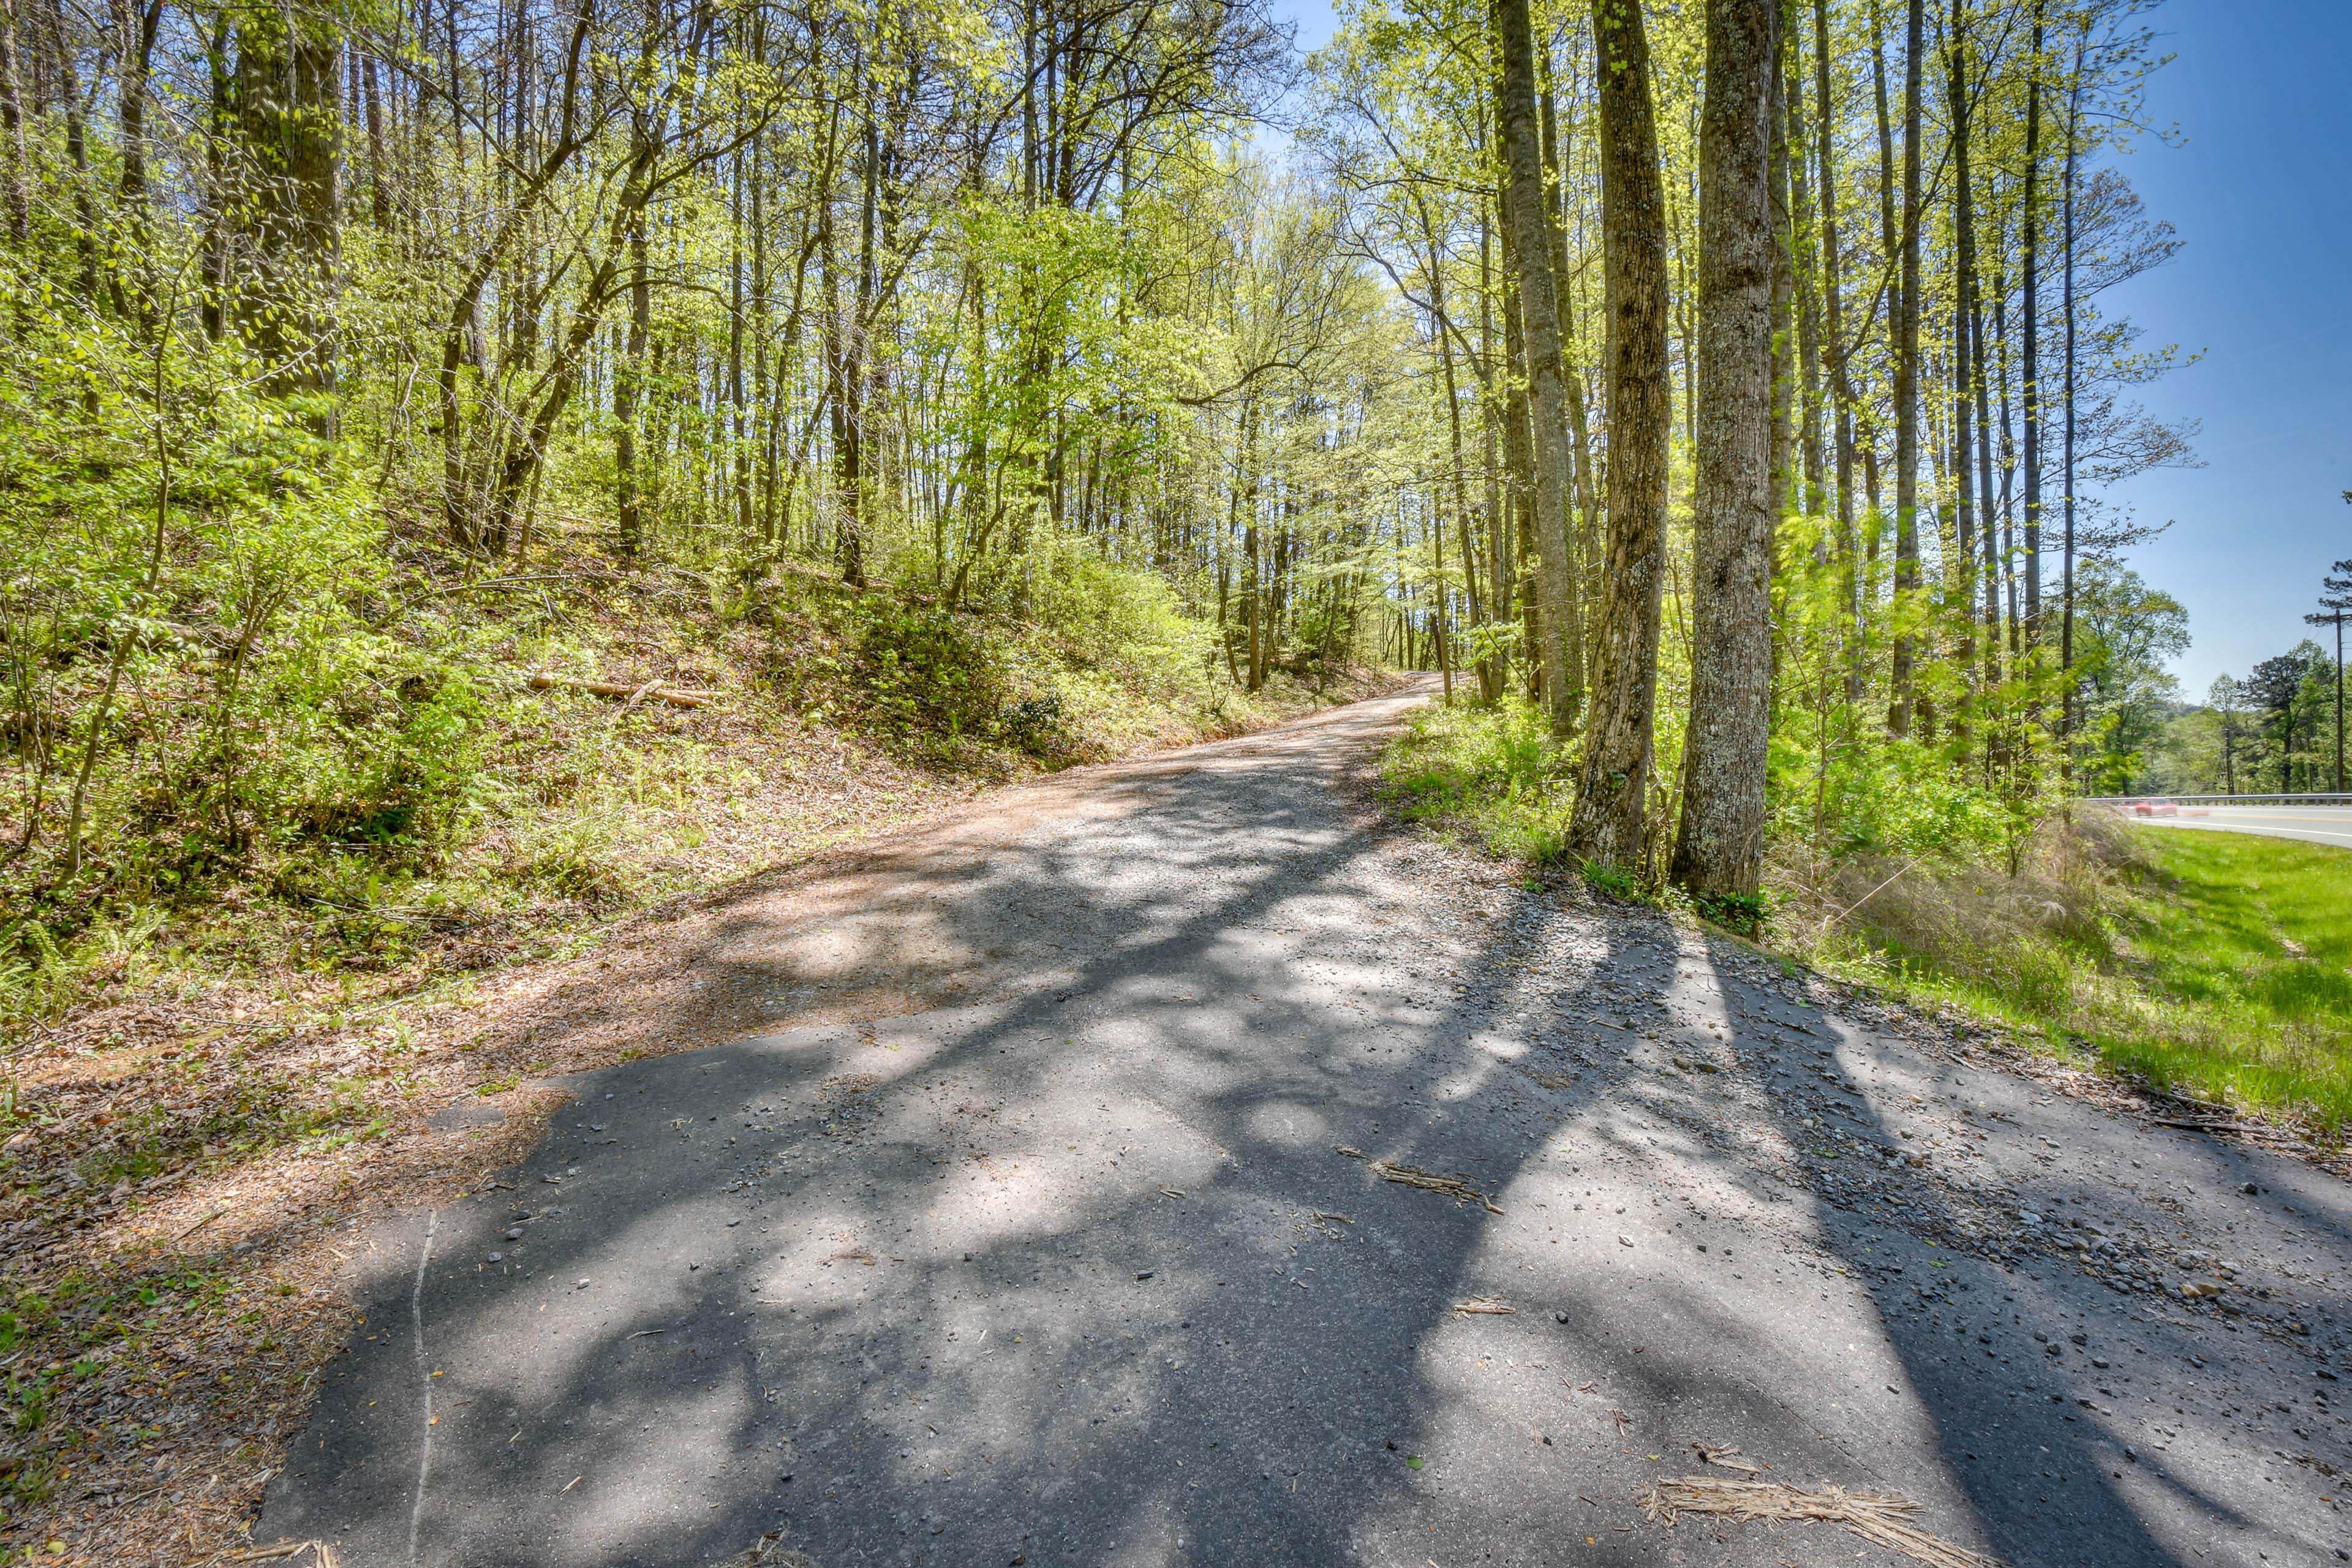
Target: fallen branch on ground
[(676, 696), (1728, 1458), (324, 1553), (1454, 1187), (1881, 1518)]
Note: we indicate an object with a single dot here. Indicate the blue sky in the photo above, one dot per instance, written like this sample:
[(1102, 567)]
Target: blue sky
[(2262, 193), (2259, 184), (1312, 18)]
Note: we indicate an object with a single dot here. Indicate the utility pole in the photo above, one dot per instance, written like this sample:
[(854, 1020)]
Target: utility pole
[(2337, 606)]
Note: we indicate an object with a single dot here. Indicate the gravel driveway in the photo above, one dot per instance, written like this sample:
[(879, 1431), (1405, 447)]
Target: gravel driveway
[(1293, 1190)]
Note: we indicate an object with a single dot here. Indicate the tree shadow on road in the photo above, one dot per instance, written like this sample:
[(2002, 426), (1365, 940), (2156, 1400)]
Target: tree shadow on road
[(1074, 1273)]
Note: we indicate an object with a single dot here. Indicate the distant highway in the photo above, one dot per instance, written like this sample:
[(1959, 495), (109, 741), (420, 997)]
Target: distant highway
[(2313, 824)]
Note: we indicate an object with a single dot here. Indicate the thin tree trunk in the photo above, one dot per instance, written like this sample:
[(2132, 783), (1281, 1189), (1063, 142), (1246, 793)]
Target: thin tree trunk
[(739, 409), (1719, 844), (2066, 580), (1519, 453), (1965, 371), (627, 380), (2029, 251), (1615, 778), (1804, 232), (12, 125), (138, 24), (1906, 322), (379, 188), (1546, 394), (1833, 344), (1583, 500)]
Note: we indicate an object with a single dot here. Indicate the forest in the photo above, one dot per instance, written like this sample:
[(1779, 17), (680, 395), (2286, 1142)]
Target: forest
[(435, 432), (492, 491)]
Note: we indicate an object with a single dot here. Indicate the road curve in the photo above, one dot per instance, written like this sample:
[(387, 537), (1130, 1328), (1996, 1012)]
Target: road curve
[(1266, 1187), (2311, 823)]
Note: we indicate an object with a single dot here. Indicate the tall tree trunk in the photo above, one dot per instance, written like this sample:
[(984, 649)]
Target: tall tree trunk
[(1606, 827), (1492, 413), (2066, 474), (12, 125), (1531, 250), (628, 380), (1833, 344), (379, 185), (1490, 676), (1965, 370), (137, 25), (739, 407), (1583, 498), (1518, 455), (2030, 261), (290, 117), (69, 84), (1906, 322), (1782, 309), (1803, 243), (1719, 845), (1983, 391)]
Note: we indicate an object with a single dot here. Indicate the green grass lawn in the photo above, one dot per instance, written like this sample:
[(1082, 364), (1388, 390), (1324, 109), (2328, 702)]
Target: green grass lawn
[(2249, 941), (2215, 964)]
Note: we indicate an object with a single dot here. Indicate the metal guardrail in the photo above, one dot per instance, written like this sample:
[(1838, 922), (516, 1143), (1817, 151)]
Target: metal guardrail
[(2222, 799)]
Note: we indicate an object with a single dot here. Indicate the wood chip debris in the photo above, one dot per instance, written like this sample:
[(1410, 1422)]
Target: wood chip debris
[(1454, 1187), (769, 1552), (1476, 1304), (1883, 1519), (282, 1550), (676, 696), (1726, 1460)]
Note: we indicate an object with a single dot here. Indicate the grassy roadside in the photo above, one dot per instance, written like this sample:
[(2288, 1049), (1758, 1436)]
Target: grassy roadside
[(2214, 966), (1488, 775), (204, 1085)]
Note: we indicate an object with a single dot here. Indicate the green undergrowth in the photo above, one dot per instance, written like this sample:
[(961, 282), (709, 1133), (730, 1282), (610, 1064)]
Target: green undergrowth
[(299, 877), (2216, 965), (2211, 964), (380, 796), (1491, 774)]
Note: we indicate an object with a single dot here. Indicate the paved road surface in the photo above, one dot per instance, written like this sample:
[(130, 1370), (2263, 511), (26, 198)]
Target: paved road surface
[(1099, 1270), (2312, 824)]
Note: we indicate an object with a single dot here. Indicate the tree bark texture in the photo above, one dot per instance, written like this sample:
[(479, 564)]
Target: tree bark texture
[(1606, 827), (1906, 322), (1719, 847), (290, 115), (2028, 249), (1547, 381)]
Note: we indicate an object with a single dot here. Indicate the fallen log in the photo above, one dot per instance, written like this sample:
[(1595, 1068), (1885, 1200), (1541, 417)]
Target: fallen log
[(676, 696)]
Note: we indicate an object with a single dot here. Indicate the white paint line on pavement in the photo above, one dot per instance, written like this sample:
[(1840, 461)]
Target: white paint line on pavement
[(416, 1316)]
